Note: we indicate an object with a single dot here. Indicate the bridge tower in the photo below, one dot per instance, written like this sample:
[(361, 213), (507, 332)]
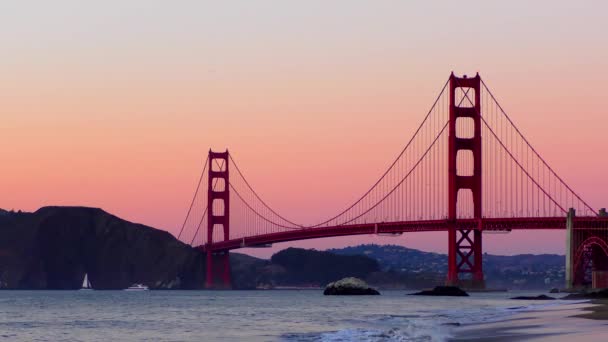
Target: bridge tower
[(464, 245), (218, 211), (586, 254)]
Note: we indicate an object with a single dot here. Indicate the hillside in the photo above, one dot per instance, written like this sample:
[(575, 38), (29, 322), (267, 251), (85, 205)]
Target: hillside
[(517, 271), (315, 267), (54, 247)]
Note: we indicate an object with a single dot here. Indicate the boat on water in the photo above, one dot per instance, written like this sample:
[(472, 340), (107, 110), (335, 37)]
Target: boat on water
[(86, 284), (137, 287)]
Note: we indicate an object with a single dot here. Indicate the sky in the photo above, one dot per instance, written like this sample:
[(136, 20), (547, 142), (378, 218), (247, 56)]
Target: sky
[(115, 104)]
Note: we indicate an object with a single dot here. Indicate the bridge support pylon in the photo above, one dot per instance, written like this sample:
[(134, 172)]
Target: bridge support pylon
[(465, 245), (586, 254), (218, 212), (570, 249)]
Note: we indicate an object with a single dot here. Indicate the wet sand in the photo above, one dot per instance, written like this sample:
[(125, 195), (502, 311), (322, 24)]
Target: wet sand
[(597, 311), (567, 321)]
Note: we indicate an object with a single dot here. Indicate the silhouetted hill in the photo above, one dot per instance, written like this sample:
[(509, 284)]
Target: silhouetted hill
[(296, 267), (54, 247), (319, 268)]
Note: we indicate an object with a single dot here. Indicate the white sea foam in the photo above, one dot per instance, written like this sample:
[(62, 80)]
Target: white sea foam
[(410, 332), (435, 326)]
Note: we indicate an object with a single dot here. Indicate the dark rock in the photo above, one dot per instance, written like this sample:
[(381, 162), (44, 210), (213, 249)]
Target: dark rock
[(601, 294), (539, 297), (452, 291), (452, 324), (349, 286), (554, 290)]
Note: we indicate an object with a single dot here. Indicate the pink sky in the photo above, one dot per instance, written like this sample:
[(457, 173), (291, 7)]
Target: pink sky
[(115, 105)]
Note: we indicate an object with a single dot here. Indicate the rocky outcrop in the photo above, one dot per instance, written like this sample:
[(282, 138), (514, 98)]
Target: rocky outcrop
[(601, 294), (451, 291), (54, 247), (539, 297), (349, 286)]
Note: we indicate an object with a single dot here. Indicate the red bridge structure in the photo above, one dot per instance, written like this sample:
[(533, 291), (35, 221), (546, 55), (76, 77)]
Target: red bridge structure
[(467, 171)]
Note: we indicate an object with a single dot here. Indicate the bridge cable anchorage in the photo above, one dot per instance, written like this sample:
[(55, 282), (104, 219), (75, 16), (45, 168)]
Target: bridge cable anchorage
[(534, 150), (200, 223), (392, 165), (258, 197), (200, 180)]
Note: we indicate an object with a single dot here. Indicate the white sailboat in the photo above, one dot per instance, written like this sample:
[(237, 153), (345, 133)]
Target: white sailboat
[(86, 284)]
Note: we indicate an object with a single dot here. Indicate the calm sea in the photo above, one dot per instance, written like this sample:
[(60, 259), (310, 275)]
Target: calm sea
[(280, 315)]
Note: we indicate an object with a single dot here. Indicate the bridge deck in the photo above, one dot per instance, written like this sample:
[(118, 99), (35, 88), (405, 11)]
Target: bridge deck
[(485, 224)]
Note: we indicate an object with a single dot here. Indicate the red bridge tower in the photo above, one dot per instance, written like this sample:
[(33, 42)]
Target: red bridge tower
[(464, 249), (218, 211)]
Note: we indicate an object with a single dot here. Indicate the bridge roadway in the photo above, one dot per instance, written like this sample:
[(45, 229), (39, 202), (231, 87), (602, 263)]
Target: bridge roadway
[(485, 224)]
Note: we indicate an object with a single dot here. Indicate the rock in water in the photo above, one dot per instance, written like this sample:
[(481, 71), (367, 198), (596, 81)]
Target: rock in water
[(539, 297), (349, 286), (554, 290), (452, 291), (601, 294)]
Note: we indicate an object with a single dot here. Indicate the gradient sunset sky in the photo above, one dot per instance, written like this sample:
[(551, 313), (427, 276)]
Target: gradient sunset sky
[(115, 104)]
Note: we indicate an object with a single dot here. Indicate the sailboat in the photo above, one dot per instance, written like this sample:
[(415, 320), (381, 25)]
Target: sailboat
[(86, 284)]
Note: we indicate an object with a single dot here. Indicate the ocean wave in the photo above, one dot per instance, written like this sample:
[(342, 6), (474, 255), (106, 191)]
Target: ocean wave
[(411, 331), (399, 318), (491, 314)]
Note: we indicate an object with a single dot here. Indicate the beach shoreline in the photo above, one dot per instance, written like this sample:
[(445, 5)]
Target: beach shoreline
[(598, 310), (564, 321)]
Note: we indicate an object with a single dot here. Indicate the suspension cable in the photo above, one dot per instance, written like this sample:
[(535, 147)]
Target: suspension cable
[(206, 208), (200, 180), (258, 214), (258, 197), (515, 160), (521, 167), (535, 152), (402, 179), (392, 164)]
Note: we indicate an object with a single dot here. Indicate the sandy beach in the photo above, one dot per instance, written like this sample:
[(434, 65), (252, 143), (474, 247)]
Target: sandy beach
[(564, 321)]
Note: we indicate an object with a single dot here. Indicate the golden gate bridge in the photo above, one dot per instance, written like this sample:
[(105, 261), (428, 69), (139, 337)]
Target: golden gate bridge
[(467, 170)]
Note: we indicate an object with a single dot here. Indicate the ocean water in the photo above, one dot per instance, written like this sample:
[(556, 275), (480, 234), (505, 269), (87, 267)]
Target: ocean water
[(279, 315)]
